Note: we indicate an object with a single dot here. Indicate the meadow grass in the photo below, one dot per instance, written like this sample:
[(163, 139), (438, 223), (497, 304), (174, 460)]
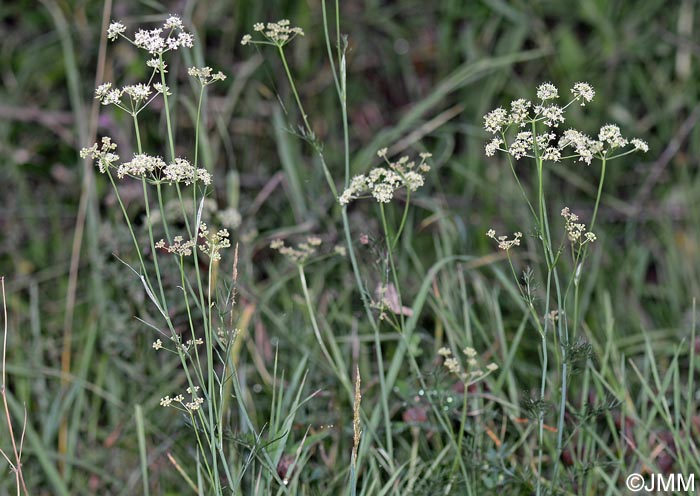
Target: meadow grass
[(419, 281)]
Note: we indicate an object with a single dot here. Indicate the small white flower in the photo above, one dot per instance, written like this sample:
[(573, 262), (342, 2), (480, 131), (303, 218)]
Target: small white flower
[(111, 97), (383, 192), (115, 29), (102, 90), (584, 92), (553, 115), (640, 145), (173, 22), (141, 165), (611, 135), (503, 242), (521, 145), (552, 153), (137, 92), (151, 41), (413, 180), (492, 146), (279, 33), (469, 351), (519, 111), (495, 120), (185, 40), (547, 91), (162, 88)]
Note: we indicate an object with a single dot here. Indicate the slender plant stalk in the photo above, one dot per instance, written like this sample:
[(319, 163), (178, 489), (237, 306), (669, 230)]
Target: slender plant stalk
[(346, 224), (16, 465)]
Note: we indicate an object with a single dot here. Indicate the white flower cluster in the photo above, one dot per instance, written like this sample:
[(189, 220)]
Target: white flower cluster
[(142, 165), (138, 95), (473, 373), (179, 401), (503, 242), (179, 246), (205, 75), (276, 33), (153, 41), (523, 112), (213, 242), (181, 171), (301, 253), (104, 155), (383, 182), (145, 166), (576, 231)]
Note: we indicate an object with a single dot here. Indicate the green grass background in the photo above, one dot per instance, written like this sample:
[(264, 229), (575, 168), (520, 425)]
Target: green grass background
[(421, 74)]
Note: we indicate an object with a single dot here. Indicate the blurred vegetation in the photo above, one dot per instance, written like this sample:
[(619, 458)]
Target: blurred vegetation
[(420, 76)]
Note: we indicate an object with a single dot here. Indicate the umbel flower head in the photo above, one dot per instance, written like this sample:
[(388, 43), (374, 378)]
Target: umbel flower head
[(146, 166), (205, 75), (503, 242), (213, 242), (545, 144), (382, 182), (473, 373), (274, 33), (576, 231), (170, 36)]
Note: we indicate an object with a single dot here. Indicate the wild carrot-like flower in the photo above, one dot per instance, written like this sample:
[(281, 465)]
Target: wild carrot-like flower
[(576, 231), (153, 41), (115, 29), (104, 155), (382, 182), (213, 242), (205, 75), (179, 247), (503, 242), (547, 91), (544, 144), (497, 119), (519, 111), (181, 171), (178, 402), (142, 165), (492, 146), (301, 253), (274, 33), (583, 92), (472, 373)]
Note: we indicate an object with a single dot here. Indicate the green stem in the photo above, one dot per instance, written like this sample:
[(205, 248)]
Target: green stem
[(317, 330), (147, 205), (197, 125), (309, 130), (210, 385), (460, 438), (403, 219), (166, 106), (600, 192)]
